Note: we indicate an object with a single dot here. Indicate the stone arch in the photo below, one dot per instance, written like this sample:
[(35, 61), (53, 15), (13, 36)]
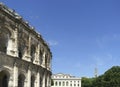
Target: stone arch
[(4, 78), (5, 35), (21, 80)]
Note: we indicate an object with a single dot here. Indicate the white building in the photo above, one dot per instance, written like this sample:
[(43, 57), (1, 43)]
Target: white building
[(25, 57), (65, 80)]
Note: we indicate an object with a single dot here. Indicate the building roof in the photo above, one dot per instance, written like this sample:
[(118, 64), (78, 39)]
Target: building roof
[(64, 76)]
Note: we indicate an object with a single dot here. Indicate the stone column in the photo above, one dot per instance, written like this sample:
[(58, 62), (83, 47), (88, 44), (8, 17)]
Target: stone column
[(43, 62), (69, 83), (16, 42), (10, 82), (29, 78), (15, 80), (48, 81), (38, 79), (54, 82), (43, 82)]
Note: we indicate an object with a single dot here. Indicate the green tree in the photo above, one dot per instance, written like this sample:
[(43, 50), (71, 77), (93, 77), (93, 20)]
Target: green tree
[(111, 78), (87, 82)]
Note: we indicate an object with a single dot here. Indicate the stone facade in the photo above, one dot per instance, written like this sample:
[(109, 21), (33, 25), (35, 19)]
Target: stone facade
[(65, 80), (25, 58)]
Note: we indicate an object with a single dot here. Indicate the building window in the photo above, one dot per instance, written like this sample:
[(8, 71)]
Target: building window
[(63, 83), (74, 84), (56, 84), (59, 83), (67, 83)]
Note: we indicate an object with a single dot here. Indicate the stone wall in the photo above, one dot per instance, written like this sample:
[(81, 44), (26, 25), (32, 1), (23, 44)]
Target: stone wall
[(24, 55)]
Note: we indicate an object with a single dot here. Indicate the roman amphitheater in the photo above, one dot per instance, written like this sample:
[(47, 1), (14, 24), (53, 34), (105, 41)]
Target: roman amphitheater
[(25, 57)]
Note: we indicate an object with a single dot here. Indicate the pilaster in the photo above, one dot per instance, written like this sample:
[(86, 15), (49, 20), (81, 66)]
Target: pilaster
[(15, 80), (43, 62), (29, 78), (38, 79)]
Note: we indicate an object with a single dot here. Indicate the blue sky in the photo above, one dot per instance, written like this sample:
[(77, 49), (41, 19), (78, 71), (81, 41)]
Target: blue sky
[(83, 34)]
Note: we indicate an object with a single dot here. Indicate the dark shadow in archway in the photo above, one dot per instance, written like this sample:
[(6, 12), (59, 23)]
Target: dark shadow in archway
[(4, 78), (21, 80)]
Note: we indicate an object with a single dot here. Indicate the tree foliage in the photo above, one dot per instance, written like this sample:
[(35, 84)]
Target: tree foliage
[(111, 78)]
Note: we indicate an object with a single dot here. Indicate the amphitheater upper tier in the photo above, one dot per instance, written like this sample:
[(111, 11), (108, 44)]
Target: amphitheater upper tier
[(25, 57)]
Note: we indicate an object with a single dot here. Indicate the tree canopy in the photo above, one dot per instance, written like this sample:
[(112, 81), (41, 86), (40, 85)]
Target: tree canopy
[(111, 78)]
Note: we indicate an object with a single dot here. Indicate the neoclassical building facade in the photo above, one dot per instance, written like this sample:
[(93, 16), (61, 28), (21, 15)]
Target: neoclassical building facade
[(25, 57), (65, 80)]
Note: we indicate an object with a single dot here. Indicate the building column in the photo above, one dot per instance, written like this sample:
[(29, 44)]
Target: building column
[(10, 82), (38, 79), (15, 76), (43, 62), (49, 80), (29, 78), (43, 82), (16, 42)]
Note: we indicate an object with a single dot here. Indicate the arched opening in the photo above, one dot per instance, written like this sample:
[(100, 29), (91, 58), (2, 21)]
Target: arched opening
[(4, 37), (21, 48), (32, 81), (46, 56), (32, 52), (59, 83), (4, 78), (67, 83), (21, 80), (20, 53), (56, 83), (41, 57), (63, 83)]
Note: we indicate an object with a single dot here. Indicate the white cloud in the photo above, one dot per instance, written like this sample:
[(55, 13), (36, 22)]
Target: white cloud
[(52, 43)]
